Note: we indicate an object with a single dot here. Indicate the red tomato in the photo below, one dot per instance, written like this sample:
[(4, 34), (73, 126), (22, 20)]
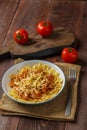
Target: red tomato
[(21, 36), (44, 28), (69, 55)]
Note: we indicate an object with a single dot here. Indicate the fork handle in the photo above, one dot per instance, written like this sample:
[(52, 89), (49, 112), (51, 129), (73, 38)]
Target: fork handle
[(68, 103)]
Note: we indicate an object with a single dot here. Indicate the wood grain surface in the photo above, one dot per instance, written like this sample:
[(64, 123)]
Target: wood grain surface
[(71, 15)]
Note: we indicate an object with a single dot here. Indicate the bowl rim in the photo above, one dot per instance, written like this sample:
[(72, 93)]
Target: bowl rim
[(29, 63)]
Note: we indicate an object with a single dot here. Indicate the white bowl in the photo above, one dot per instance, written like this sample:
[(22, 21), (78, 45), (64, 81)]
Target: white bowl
[(13, 70)]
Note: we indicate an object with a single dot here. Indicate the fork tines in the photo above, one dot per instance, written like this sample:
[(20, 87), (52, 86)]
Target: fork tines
[(72, 73)]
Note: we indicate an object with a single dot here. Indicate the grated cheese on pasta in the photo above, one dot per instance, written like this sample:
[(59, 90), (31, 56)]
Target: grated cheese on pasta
[(35, 83)]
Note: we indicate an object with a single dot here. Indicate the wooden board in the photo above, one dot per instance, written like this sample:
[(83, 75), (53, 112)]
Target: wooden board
[(37, 46)]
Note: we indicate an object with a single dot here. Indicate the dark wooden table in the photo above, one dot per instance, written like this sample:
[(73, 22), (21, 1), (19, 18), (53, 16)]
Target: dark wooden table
[(15, 14)]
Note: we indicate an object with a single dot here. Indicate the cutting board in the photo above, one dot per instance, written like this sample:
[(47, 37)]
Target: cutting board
[(38, 46)]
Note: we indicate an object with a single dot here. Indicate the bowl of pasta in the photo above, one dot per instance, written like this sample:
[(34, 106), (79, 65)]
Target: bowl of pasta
[(33, 82)]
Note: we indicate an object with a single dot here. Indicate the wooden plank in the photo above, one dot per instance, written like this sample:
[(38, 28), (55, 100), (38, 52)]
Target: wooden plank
[(81, 31), (35, 124), (8, 123), (65, 13), (7, 10)]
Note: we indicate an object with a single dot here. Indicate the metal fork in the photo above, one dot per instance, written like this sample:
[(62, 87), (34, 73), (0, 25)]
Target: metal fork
[(72, 79)]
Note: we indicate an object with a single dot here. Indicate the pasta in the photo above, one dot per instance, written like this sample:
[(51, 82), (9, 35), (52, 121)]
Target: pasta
[(35, 83)]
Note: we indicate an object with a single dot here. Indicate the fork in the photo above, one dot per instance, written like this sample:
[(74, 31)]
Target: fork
[(72, 79)]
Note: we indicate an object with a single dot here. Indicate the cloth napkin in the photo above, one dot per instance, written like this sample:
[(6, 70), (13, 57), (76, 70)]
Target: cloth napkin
[(53, 110)]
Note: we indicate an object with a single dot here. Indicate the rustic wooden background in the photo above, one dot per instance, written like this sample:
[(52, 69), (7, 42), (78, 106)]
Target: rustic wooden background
[(72, 15)]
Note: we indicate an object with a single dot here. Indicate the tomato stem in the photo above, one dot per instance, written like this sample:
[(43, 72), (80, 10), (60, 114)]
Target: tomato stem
[(70, 50), (19, 36), (45, 23)]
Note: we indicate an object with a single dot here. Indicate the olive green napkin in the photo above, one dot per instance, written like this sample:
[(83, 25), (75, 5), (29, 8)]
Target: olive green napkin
[(53, 110)]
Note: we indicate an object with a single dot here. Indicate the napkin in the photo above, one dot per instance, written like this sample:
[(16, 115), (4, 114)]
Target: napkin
[(53, 110)]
